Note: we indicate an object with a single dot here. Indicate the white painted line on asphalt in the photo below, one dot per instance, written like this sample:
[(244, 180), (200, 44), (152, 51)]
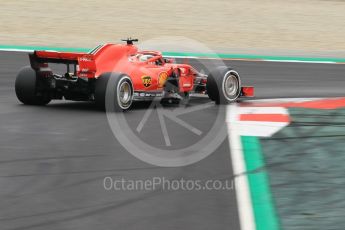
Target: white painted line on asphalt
[(191, 57), (258, 60), (298, 99), (261, 110), (244, 202), (16, 50), (299, 61)]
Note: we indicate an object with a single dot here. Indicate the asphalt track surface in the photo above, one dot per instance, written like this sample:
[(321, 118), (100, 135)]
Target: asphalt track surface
[(53, 159)]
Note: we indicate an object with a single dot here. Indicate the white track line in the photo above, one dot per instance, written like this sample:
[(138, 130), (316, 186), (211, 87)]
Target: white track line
[(292, 99), (17, 50), (244, 202), (300, 61)]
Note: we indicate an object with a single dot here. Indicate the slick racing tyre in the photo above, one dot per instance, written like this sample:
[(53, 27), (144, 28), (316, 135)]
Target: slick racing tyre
[(223, 85), (114, 92), (26, 88)]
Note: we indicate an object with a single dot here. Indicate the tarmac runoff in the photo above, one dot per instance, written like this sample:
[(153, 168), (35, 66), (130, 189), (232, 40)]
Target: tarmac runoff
[(250, 145)]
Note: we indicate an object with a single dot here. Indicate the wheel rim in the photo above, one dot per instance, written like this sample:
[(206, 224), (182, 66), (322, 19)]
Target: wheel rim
[(124, 96), (231, 86)]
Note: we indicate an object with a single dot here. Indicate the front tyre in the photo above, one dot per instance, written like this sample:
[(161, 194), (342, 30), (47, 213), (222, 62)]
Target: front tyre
[(114, 92), (26, 88), (223, 85)]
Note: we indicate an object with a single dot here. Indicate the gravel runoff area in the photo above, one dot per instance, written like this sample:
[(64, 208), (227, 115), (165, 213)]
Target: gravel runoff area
[(290, 25), (305, 162)]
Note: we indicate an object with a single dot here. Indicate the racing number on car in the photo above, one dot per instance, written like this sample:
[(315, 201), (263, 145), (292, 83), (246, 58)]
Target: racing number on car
[(147, 81)]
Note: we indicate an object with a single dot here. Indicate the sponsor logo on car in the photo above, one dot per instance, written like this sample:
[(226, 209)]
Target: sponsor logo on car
[(162, 78), (85, 59), (147, 81), (143, 95), (187, 85)]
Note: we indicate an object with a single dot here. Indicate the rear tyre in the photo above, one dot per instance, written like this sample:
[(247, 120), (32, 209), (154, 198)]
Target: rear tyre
[(114, 92), (26, 88), (223, 85)]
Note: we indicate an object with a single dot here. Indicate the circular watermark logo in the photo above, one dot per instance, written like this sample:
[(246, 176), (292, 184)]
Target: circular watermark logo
[(170, 135)]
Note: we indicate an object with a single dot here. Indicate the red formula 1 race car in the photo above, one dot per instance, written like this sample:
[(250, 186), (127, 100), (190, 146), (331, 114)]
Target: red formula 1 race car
[(128, 73)]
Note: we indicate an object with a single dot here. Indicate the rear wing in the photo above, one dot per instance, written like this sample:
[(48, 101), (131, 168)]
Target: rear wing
[(83, 63)]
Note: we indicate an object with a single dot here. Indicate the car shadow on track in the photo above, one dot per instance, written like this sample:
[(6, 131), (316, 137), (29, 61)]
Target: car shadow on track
[(137, 105)]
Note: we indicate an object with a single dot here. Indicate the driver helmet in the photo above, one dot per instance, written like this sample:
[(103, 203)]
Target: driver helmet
[(145, 57)]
